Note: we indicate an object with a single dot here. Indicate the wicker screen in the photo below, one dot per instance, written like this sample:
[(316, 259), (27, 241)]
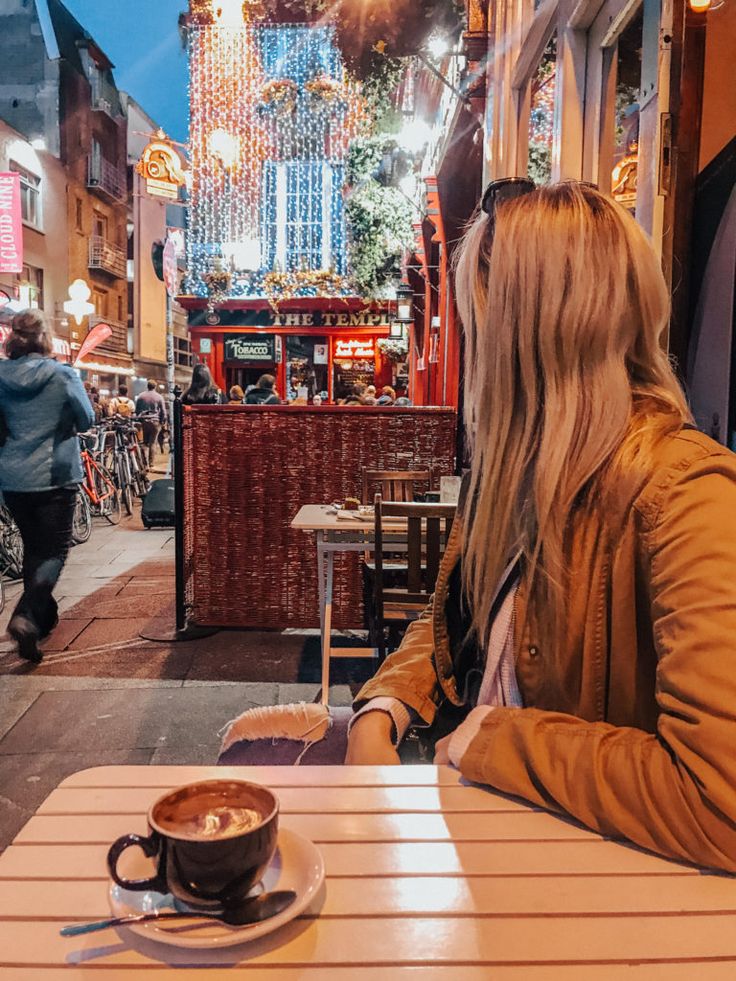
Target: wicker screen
[(249, 469)]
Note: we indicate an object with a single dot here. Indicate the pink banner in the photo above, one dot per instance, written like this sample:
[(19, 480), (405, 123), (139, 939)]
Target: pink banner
[(99, 333), (11, 224)]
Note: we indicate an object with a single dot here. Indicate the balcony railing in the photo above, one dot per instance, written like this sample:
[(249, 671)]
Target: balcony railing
[(117, 343), (108, 180), (108, 258)]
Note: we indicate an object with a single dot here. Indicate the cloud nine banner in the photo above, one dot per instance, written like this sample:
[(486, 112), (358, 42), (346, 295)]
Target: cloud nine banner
[(11, 224)]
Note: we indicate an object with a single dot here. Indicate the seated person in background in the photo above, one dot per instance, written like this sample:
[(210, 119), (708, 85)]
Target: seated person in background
[(370, 392), (580, 652), (263, 393), (121, 405), (236, 395), (388, 396), (403, 402)]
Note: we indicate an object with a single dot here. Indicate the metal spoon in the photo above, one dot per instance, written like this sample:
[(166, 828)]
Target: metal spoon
[(253, 910)]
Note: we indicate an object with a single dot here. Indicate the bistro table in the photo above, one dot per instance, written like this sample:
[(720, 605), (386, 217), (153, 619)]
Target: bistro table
[(425, 877), (334, 534)]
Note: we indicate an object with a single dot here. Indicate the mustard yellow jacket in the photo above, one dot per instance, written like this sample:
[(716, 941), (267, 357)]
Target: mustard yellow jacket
[(631, 728)]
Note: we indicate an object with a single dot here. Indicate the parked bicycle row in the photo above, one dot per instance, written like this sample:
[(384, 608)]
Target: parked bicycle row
[(114, 478)]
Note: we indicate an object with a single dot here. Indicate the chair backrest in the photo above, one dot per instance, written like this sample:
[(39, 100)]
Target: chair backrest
[(428, 528), (393, 485)]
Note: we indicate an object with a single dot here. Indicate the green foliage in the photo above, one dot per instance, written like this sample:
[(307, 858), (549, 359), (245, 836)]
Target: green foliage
[(380, 226), (539, 167), (364, 159)]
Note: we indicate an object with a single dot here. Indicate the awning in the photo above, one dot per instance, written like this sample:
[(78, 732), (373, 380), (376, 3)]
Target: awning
[(105, 369)]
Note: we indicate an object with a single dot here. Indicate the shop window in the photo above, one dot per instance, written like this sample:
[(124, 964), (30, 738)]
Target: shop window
[(626, 133), (30, 287), (541, 119), (30, 195)]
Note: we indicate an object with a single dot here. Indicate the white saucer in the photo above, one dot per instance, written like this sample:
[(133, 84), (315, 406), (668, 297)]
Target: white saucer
[(297, 865)]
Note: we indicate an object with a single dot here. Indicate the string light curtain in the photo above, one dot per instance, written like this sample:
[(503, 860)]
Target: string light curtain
[(272, 116)]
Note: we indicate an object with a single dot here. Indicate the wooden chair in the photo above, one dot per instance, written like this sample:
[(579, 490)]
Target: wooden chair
[(393, 485), (428, 528)]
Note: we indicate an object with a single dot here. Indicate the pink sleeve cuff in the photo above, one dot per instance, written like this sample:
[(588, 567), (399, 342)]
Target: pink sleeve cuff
[(466, 732), (400, 714)]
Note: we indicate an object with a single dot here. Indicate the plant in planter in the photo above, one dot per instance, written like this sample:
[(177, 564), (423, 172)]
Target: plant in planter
[(324, 91), (279, 95), (394, 350)]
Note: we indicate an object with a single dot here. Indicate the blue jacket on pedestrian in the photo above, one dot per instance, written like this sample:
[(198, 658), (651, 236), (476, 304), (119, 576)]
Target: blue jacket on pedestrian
[(43, 405)]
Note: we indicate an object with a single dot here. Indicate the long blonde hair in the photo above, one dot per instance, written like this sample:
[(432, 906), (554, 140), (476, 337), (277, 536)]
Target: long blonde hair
[(563, 304)]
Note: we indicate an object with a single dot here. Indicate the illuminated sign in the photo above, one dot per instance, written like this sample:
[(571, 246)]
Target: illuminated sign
[(161, 168), (250, 347), (353, 348), (11, 224)]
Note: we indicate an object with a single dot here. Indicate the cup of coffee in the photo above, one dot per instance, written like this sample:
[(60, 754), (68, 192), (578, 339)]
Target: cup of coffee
[(212, 842)]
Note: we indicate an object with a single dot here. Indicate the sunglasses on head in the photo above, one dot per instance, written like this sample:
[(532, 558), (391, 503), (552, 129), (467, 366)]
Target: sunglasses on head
[(508, 188)]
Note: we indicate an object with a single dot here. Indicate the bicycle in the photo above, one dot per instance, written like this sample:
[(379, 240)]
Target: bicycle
[(123, 459), (98, 485), (82, 522), (11, 546)]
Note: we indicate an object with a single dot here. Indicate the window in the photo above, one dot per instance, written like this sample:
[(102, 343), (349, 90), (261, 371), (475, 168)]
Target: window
[(541, 120), (30, 287), (302, 225), (182, 352), (79, 215), (120, 308), (99, 224), (99, 298), (30, 195), (626, 132)]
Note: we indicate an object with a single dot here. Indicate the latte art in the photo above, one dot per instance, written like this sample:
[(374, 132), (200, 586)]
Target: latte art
[(222, 822)]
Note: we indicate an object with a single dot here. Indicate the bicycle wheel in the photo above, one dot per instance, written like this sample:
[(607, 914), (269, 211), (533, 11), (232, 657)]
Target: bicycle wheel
[(11, 546), (82, 524), (124, 484), (109, 496)]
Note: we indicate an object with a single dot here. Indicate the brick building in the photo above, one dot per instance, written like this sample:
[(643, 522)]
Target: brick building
[(57, 89)]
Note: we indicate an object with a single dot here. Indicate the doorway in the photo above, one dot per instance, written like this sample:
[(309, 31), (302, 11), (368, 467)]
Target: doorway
[(246, 375)]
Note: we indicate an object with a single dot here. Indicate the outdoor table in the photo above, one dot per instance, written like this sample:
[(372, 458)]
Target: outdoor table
[(334, 534), (425, 877)]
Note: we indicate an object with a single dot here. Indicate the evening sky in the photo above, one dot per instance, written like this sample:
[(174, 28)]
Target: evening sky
[(141, 38)]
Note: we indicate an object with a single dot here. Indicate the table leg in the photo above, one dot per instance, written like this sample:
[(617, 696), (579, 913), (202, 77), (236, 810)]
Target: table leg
[(327, 628), (321, 582)]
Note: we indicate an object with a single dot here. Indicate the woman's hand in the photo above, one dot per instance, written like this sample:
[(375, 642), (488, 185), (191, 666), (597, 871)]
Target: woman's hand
[(370, 743), (442, 751)]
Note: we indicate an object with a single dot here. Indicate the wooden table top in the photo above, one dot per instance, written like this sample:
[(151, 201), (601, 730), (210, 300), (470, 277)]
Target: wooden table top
[(426, 878), (322, 517)]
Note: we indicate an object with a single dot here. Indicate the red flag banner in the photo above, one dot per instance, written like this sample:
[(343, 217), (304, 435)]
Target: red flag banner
[(11, 224), (99, 333)]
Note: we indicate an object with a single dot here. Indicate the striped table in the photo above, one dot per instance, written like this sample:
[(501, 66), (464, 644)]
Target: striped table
[(426, 878)]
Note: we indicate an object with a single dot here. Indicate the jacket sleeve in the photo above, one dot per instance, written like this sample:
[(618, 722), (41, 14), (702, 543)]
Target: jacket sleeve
[(82, 411), (409, 673), (675, 791)]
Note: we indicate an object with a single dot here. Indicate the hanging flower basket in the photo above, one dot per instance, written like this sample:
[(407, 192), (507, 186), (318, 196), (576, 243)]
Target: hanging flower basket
[(324, 92), (218, 285), (394, 350), (279, 96)]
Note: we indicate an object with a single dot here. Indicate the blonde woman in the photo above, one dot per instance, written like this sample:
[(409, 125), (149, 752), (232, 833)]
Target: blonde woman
[(43, 405), (581, 649)]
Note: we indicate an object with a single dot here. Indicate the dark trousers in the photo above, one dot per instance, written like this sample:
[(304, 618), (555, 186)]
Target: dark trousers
[(45, 521), (150, 436)]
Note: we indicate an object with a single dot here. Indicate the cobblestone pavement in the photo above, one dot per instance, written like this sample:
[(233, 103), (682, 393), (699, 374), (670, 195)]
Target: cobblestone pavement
[(106, 695)]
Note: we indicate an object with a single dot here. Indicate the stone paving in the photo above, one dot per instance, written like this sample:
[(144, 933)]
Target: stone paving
[(105, 695)]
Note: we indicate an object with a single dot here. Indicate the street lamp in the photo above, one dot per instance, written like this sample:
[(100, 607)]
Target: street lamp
[(405, 304), (79, 306)]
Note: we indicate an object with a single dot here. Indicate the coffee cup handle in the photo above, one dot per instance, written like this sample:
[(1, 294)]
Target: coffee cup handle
[(149, 846)]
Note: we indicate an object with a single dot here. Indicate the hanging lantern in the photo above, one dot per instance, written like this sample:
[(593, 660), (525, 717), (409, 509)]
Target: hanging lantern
[(405, 304)]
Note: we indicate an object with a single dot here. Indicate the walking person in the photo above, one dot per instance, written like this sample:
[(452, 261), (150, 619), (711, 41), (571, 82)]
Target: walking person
[(202, 391), (150, 407), (43, 405), (122, 405)]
